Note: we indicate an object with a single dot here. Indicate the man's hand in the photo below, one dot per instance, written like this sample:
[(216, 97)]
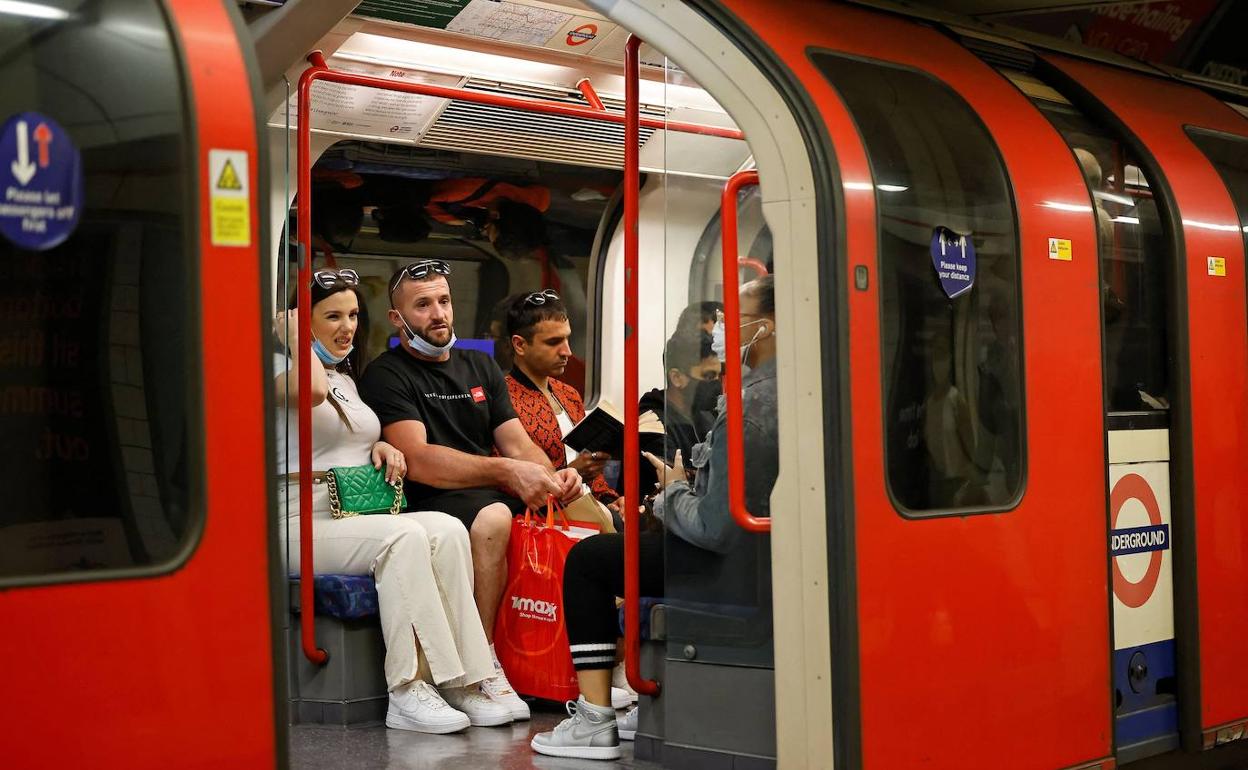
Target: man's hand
[(534, 483), (668, 474), (569, 484), (589, 464)]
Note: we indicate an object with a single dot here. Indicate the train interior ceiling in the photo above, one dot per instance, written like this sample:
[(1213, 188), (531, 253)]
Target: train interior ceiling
[(399, 177)]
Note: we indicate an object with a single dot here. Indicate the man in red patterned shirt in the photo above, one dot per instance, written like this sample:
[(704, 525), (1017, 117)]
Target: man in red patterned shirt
[(538, 330)]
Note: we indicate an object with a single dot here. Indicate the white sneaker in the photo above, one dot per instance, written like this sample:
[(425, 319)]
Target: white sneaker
[(418, 706), (498, 689), (588, 733), (620, 699), (482, 710), (619, 681), (627, 725)]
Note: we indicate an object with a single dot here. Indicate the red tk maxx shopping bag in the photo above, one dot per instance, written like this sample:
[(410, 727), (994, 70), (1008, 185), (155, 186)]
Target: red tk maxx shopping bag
[(530, 637)]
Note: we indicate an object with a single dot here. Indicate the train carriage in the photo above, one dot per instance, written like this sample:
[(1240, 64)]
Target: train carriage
[(1012, 350)]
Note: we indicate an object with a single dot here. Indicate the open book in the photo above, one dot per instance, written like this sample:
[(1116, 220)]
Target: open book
[(602, 430)]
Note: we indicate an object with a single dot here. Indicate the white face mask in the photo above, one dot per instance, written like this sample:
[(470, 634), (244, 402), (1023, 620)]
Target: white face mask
[(424, 346), (718, 344)]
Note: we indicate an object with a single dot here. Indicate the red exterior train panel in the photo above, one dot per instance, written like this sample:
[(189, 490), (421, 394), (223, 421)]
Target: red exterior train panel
[(176, 670), (1218, 363), (984, 636)]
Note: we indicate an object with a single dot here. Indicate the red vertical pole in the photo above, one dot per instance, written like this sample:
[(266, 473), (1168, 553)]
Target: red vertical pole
[(303, 197), (632, 448)]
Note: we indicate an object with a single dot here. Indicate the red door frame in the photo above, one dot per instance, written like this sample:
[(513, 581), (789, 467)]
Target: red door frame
[(959, 618), (149, 671), (1211, 389)]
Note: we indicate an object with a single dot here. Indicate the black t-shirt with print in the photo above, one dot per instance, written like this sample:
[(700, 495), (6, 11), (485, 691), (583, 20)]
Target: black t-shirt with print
[(460, 401)]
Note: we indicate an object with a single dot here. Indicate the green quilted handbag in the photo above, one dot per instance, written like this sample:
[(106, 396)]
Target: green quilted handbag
[(362, 489)]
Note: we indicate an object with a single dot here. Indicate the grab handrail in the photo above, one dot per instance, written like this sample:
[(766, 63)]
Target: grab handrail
[(321, 71), (303, 163), (632, 440), (732, 362)]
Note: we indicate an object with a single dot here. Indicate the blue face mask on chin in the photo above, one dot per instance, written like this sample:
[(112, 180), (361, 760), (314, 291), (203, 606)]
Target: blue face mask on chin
[(327, 358)]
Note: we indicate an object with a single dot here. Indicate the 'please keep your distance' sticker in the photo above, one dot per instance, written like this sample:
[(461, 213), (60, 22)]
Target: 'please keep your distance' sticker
[(953, 257)]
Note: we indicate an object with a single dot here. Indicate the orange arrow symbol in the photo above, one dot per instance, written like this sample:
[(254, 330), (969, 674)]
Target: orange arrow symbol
[(43, 138)]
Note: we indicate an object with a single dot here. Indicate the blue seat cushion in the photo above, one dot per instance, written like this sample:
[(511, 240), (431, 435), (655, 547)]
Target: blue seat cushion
[(647, 604), (346, 597)]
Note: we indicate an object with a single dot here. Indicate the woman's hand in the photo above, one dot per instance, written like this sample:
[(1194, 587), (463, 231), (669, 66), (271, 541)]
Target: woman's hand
[(668, 474), (287, 322), (589, 464), (393, 459)]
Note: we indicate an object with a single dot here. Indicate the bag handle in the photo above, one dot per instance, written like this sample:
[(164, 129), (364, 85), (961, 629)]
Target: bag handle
[(553, 505)]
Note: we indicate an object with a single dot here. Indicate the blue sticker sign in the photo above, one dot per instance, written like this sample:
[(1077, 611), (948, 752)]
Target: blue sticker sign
[(40, 182), (953, 256)]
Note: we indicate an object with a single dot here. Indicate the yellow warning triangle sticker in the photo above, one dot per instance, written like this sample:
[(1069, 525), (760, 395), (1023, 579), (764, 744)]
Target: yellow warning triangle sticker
[(229, 178)]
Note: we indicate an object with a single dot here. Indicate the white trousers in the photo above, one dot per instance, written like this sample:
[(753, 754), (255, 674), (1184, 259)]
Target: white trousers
[(422, 564)]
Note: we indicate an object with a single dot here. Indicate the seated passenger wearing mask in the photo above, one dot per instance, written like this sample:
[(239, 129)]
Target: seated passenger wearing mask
[(700, 519), (687, 406), (447, 409), (436, 650), (538, 331)]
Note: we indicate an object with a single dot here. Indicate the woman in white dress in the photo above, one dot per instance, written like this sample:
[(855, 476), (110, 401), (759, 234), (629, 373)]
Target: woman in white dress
[(436, 651)]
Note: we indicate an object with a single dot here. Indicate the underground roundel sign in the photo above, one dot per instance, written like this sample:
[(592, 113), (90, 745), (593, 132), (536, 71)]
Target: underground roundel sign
[(1153, 539)]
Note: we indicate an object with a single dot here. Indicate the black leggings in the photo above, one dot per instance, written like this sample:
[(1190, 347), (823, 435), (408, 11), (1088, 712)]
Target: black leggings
[(592, 578)]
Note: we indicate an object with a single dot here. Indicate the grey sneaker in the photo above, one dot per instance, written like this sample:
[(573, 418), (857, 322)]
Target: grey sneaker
[(588, 733), (627, 724)]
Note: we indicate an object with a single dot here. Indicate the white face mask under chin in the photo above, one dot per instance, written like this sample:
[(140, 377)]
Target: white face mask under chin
[(424, 346)]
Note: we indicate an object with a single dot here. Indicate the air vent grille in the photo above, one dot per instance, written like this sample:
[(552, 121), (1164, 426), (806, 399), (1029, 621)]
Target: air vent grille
[(520, 133)]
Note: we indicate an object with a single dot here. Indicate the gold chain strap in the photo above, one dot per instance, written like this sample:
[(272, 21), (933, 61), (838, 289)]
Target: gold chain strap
[(335, 503)]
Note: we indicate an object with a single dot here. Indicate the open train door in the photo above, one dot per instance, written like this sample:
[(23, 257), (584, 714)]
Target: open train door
[(974, 405), (134, 543)]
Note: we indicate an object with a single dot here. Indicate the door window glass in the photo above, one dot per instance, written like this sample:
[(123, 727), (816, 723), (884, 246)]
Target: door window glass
[(98, 362), (1229, 155), (949, 288), (1135, 263)]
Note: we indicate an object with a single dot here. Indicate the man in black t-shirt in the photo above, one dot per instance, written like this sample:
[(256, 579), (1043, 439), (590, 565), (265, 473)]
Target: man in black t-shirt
[(447, 409)]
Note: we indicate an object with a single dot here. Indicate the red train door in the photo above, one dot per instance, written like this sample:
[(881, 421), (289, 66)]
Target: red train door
[(1210, 393), (134, 543), (978, 527)]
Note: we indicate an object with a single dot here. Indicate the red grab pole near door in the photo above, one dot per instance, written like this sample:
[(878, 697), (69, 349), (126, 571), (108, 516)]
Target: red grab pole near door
[(632, 448)]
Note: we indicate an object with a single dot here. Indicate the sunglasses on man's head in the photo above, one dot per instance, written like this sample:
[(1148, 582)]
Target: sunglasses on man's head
[(418, 271), (539, 298), (332, 279)]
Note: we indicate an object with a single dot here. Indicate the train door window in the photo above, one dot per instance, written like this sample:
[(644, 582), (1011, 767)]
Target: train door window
[(1134, 269), (949, 290), (505, 226), (1229, 155), (99, 365), (753, 239)]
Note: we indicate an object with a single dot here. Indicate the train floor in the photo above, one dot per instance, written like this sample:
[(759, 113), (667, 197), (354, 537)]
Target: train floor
[(317, 747)]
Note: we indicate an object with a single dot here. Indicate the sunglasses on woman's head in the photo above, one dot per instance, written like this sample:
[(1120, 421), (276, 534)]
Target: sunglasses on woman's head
[(418, 271), (539, 298), (332, 279)]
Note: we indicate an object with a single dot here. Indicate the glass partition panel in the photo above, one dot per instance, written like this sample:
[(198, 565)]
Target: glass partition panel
[(718, 576)]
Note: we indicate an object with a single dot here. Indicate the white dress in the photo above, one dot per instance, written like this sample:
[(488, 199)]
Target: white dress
[(421, 562)]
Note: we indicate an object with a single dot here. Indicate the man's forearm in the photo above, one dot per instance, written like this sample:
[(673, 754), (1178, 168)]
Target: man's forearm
[(446, 468)]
